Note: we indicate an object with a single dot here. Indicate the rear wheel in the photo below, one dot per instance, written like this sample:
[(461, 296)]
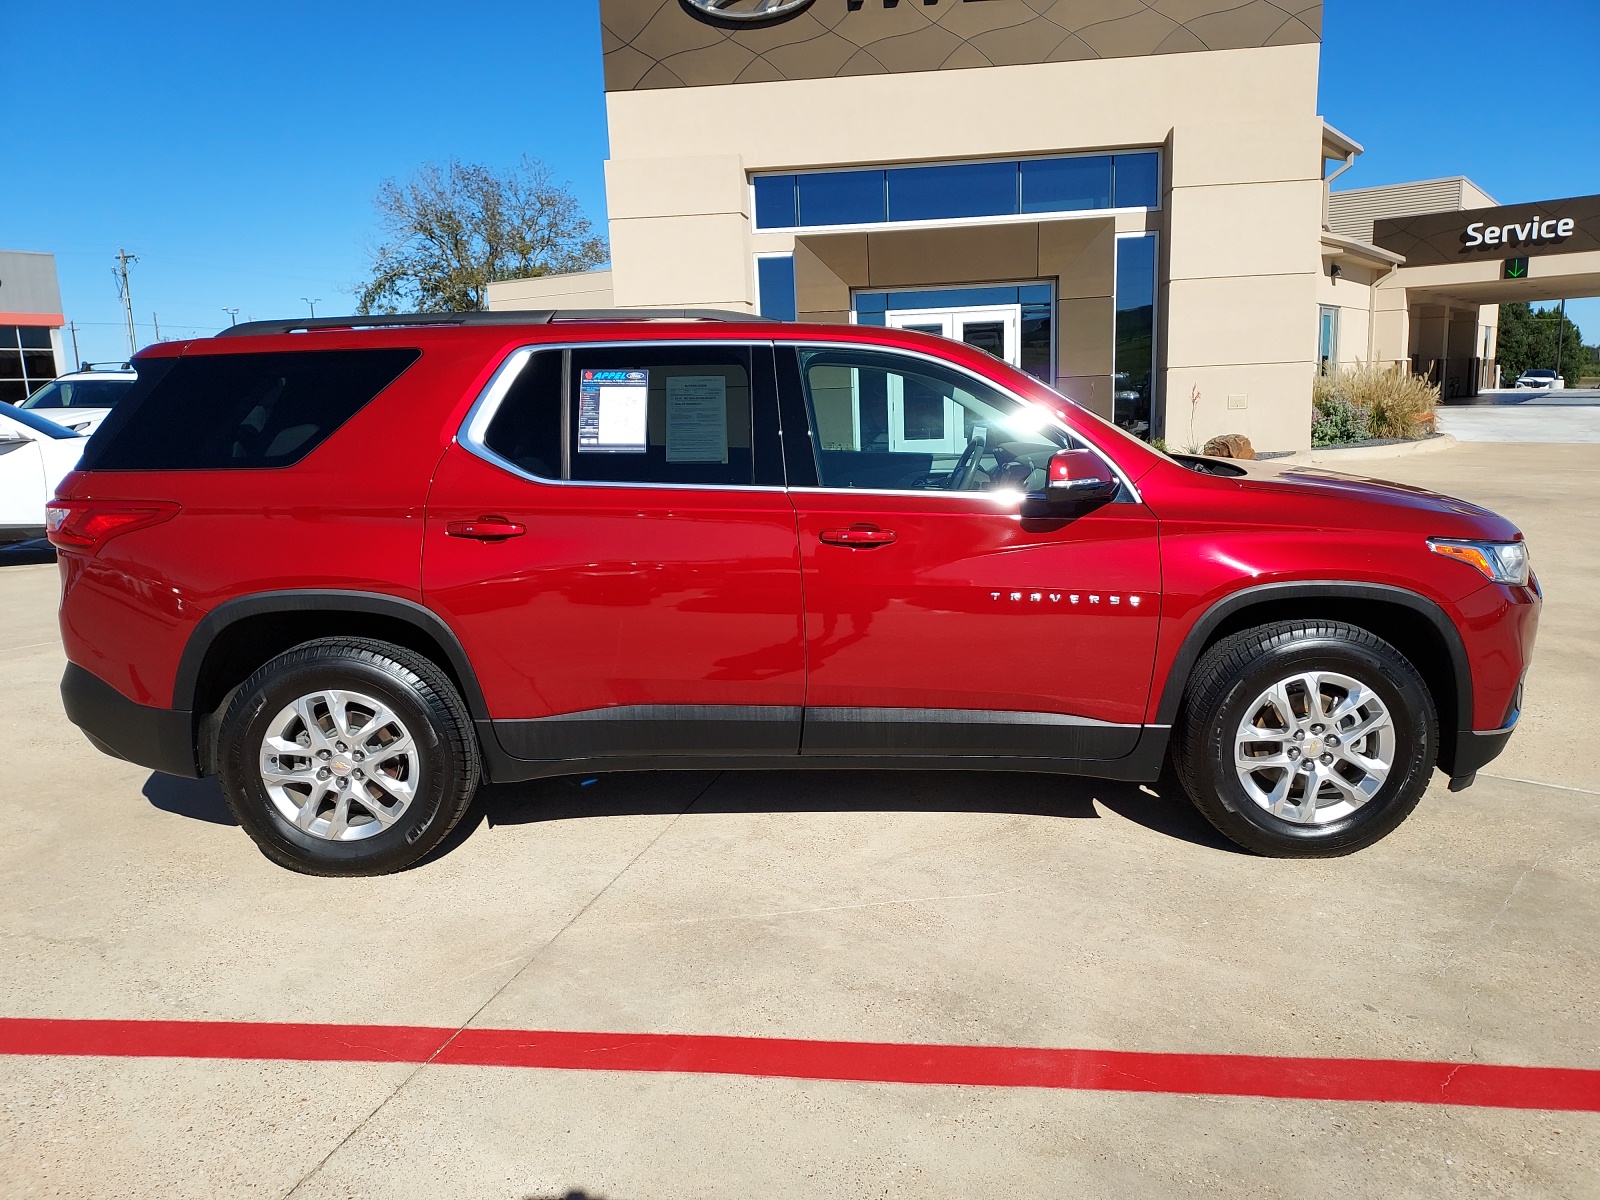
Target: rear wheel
[(1306, 739), (348, 757)]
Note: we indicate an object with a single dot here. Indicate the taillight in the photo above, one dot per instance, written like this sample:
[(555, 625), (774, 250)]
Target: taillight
[(89, 524)]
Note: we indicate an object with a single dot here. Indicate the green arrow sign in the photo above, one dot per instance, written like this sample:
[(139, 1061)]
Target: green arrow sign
[(1516, 268)]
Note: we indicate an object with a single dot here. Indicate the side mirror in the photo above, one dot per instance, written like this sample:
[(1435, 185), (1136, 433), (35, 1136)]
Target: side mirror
[(1077, 476)]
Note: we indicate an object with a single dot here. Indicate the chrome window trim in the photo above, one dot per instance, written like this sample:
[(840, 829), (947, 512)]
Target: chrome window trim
[(483, 410), (482, 413)]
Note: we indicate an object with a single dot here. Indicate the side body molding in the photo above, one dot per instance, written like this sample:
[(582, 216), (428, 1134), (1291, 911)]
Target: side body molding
[(1273, 593)]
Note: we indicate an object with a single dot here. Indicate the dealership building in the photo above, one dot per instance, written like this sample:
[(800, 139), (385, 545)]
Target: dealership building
[(31, 352), (1127, 198)]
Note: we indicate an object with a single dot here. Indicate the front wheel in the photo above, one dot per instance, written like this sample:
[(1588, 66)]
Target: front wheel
[(348, 757), (1306, 739)]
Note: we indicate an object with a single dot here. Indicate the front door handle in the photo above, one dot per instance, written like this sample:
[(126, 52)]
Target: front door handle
[(860, 536), (486, 529)]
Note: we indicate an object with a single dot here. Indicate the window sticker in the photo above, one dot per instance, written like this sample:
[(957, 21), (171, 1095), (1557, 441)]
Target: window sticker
[(697, 419), (613, 412)]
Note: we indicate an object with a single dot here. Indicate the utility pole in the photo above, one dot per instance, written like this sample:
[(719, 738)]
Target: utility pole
[(156, 321), (1561, 335), (233, 313), (313, 304), (123, 259), (78, 362)]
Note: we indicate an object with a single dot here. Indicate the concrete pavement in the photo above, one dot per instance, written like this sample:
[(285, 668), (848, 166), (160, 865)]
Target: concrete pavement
[(1562, 417), (980, 909)]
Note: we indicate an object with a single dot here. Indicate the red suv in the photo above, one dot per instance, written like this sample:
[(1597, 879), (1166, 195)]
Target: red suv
[(358, 566)]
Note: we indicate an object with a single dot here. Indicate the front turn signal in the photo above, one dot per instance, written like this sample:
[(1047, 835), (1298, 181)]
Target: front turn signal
[(1503, 562)]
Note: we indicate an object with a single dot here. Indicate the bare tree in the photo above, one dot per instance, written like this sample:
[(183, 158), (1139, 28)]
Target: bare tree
[(453, 229)]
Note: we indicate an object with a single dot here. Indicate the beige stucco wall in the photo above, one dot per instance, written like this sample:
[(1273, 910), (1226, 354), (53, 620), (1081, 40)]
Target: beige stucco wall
[(1239, 225), (581, 289)]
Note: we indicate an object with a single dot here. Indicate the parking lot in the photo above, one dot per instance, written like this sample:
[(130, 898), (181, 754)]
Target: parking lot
[(922, 909), (1525, 416)]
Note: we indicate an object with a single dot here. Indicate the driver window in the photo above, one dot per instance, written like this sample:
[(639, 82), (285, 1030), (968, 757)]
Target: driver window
[(891, 423)]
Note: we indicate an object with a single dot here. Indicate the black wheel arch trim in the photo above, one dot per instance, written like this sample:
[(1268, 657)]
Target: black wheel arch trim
[(298, 600), (1200, 633)]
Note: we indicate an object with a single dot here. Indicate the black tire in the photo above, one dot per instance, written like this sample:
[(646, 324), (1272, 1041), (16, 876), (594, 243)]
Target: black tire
[(417, 692), (1229, 678)]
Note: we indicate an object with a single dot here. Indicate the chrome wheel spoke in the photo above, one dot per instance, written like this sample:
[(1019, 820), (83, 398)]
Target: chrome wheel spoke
[(1354, 700), (1278, 698), (339, 712), (279, 775), (303, 708), (284, 748), (1278, 761), (306, 813), (1278, 798), (392, 801), (339, 819), (1364, 726), (1357, 792), (380, 720)]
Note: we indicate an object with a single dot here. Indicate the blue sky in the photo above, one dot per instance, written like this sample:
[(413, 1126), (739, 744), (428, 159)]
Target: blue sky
[(236, 148)]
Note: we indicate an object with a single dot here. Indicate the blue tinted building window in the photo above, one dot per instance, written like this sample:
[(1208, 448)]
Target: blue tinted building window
[(1066, 184), (841, 198), (775, 202), (1134, 349), (953, 191), (775, 286), (961, 190), (1138, 180)]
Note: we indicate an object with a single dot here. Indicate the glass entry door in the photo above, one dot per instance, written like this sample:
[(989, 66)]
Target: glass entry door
[(933, 424)]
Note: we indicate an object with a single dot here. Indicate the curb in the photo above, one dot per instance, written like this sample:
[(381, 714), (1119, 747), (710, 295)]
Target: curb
[(1332, 455)]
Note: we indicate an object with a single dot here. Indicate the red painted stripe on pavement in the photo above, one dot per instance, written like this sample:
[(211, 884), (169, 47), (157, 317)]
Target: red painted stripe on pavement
[(1367, 1080)]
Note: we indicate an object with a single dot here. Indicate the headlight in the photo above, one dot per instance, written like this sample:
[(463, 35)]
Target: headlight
[(1503, 562)]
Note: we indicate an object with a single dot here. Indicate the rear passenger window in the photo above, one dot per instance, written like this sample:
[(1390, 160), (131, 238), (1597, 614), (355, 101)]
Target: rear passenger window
[(526, 429), (669, 414), (213, 412)]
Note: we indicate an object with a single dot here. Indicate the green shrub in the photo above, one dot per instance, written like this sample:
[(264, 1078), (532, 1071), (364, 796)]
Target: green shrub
[(1337, 422), (1392, 402)]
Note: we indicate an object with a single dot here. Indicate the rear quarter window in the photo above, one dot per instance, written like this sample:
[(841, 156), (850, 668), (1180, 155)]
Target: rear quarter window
[(240, 411)]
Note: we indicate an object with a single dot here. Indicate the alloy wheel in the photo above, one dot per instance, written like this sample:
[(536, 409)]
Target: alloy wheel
[(339, 765), (1314, 747)]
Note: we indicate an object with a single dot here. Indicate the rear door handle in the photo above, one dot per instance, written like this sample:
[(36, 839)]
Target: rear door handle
[(486, 529), (860, 536)]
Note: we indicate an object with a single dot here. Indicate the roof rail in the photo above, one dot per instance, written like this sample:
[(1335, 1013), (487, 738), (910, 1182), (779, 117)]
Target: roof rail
[(499, 317)]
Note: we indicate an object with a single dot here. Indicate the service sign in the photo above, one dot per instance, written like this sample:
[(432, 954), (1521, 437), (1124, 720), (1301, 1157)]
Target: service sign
[(1513, 232)]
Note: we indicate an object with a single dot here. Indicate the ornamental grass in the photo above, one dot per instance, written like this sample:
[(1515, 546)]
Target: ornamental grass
[(1372, 402)]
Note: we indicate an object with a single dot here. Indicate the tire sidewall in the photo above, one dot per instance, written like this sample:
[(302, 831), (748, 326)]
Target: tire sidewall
[(248, 722), (1401, 691)]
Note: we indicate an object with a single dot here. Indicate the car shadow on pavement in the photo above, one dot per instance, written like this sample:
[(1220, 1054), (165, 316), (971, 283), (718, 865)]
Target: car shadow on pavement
[(1160, 807), (197, 799)]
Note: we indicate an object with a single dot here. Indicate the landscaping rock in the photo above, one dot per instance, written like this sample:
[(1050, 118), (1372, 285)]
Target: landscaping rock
[(1229, 445)]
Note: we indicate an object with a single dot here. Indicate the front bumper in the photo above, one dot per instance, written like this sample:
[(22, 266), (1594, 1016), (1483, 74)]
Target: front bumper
[(159, 738), (1476, 749)]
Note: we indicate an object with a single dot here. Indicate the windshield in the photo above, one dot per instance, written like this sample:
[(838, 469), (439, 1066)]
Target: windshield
[(80, 393), (38, 424)]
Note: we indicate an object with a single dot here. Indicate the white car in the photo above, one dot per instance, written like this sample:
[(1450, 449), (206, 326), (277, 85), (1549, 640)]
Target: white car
[(1540, 377), (80, 400), (35, 455)]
